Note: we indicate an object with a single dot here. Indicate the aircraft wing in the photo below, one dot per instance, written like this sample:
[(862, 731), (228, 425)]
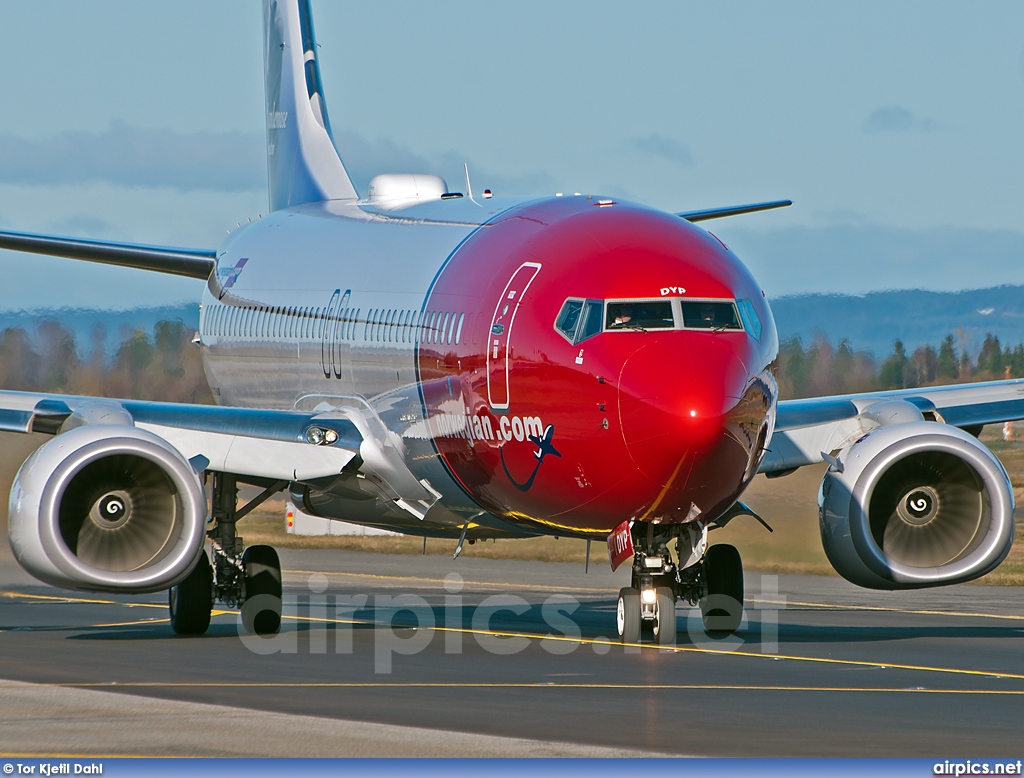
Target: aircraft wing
[(254, 444), (809, 431), (191, 263), (732, 210)]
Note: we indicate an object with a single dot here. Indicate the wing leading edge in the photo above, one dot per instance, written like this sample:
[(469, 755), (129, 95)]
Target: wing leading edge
[(732, 210), (248, 442), (805, 429), (191, 263)]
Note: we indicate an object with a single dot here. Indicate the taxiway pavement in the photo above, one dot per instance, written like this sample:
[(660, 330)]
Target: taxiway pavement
[(513, 659)]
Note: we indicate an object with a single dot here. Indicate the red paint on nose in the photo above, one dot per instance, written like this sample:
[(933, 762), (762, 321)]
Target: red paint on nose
[(675, 395)]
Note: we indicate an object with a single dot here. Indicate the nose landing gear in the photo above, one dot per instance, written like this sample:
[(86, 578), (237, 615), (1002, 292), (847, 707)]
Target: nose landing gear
[(711, 579)]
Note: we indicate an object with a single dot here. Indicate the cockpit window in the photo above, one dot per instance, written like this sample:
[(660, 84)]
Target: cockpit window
[(592, 323), (643, 314), (707, 315), (750, 318), (579, 319), (569, 319)]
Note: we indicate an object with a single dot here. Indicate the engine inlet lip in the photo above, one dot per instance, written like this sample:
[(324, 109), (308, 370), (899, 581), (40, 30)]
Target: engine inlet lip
[(1000, 528), (133, 442)]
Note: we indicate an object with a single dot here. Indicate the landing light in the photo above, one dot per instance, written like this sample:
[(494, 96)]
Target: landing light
[(693, 413), (320, 436), (649, 596)]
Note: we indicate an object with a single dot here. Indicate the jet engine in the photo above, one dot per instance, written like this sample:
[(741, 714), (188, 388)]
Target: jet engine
[(914, 505), (107, 508)]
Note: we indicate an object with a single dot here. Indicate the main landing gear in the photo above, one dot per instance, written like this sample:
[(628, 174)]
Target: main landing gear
[(711, 579), (240, 577)]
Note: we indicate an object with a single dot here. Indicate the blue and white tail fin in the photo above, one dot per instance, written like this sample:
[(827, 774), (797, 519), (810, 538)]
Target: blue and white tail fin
[(302, 162)]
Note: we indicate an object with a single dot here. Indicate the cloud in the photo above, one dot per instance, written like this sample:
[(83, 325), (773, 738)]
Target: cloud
[(895, 119), (664, 147), (126, 155), (366, 158), (135, 156)]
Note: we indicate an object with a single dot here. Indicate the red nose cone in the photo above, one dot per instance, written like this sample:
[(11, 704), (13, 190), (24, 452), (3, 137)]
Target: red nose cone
[(674, 399)]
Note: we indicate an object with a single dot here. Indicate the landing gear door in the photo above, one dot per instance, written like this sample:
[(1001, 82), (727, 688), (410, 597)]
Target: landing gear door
[(500, 334)]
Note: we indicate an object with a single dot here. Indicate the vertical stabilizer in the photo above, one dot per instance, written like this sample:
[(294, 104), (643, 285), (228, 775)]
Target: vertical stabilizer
[(302, 162)]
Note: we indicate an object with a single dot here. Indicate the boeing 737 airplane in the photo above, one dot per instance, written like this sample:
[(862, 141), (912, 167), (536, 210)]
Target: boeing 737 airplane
[(452, 364)]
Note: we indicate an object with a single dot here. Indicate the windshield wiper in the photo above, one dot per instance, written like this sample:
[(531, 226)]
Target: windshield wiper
[(628, 325)]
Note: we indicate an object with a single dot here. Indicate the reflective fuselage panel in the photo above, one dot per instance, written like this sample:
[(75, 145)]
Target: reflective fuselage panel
[(443, 316)]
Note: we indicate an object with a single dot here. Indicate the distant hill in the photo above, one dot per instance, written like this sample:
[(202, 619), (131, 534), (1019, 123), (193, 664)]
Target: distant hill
[(871, 322)]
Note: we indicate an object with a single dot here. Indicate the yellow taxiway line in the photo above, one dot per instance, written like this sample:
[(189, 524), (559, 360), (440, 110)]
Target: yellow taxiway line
[(886, 609), (562, 638)]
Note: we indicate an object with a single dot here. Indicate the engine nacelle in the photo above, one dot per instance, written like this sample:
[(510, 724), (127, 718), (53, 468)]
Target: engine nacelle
[(107, 508), (916, 504)]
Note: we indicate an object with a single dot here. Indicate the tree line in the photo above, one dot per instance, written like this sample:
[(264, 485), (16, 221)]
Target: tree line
[(165, 365), (162, 365), (821, 369)]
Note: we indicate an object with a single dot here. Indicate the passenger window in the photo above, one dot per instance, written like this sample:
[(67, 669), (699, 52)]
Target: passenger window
[(458, 330), (750, 318), (643, 314), (705, 315)]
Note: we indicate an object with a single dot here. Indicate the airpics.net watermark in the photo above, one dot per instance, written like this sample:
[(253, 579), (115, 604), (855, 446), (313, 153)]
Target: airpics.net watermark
[(406, 624)]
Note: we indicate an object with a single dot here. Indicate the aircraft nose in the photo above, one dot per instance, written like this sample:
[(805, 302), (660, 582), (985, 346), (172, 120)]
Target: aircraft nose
[(675, 398)]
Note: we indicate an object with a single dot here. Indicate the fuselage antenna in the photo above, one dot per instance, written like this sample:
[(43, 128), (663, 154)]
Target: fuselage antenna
[(469, 186)]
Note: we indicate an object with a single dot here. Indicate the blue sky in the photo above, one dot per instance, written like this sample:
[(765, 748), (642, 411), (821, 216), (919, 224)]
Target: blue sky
[(896, 128)]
